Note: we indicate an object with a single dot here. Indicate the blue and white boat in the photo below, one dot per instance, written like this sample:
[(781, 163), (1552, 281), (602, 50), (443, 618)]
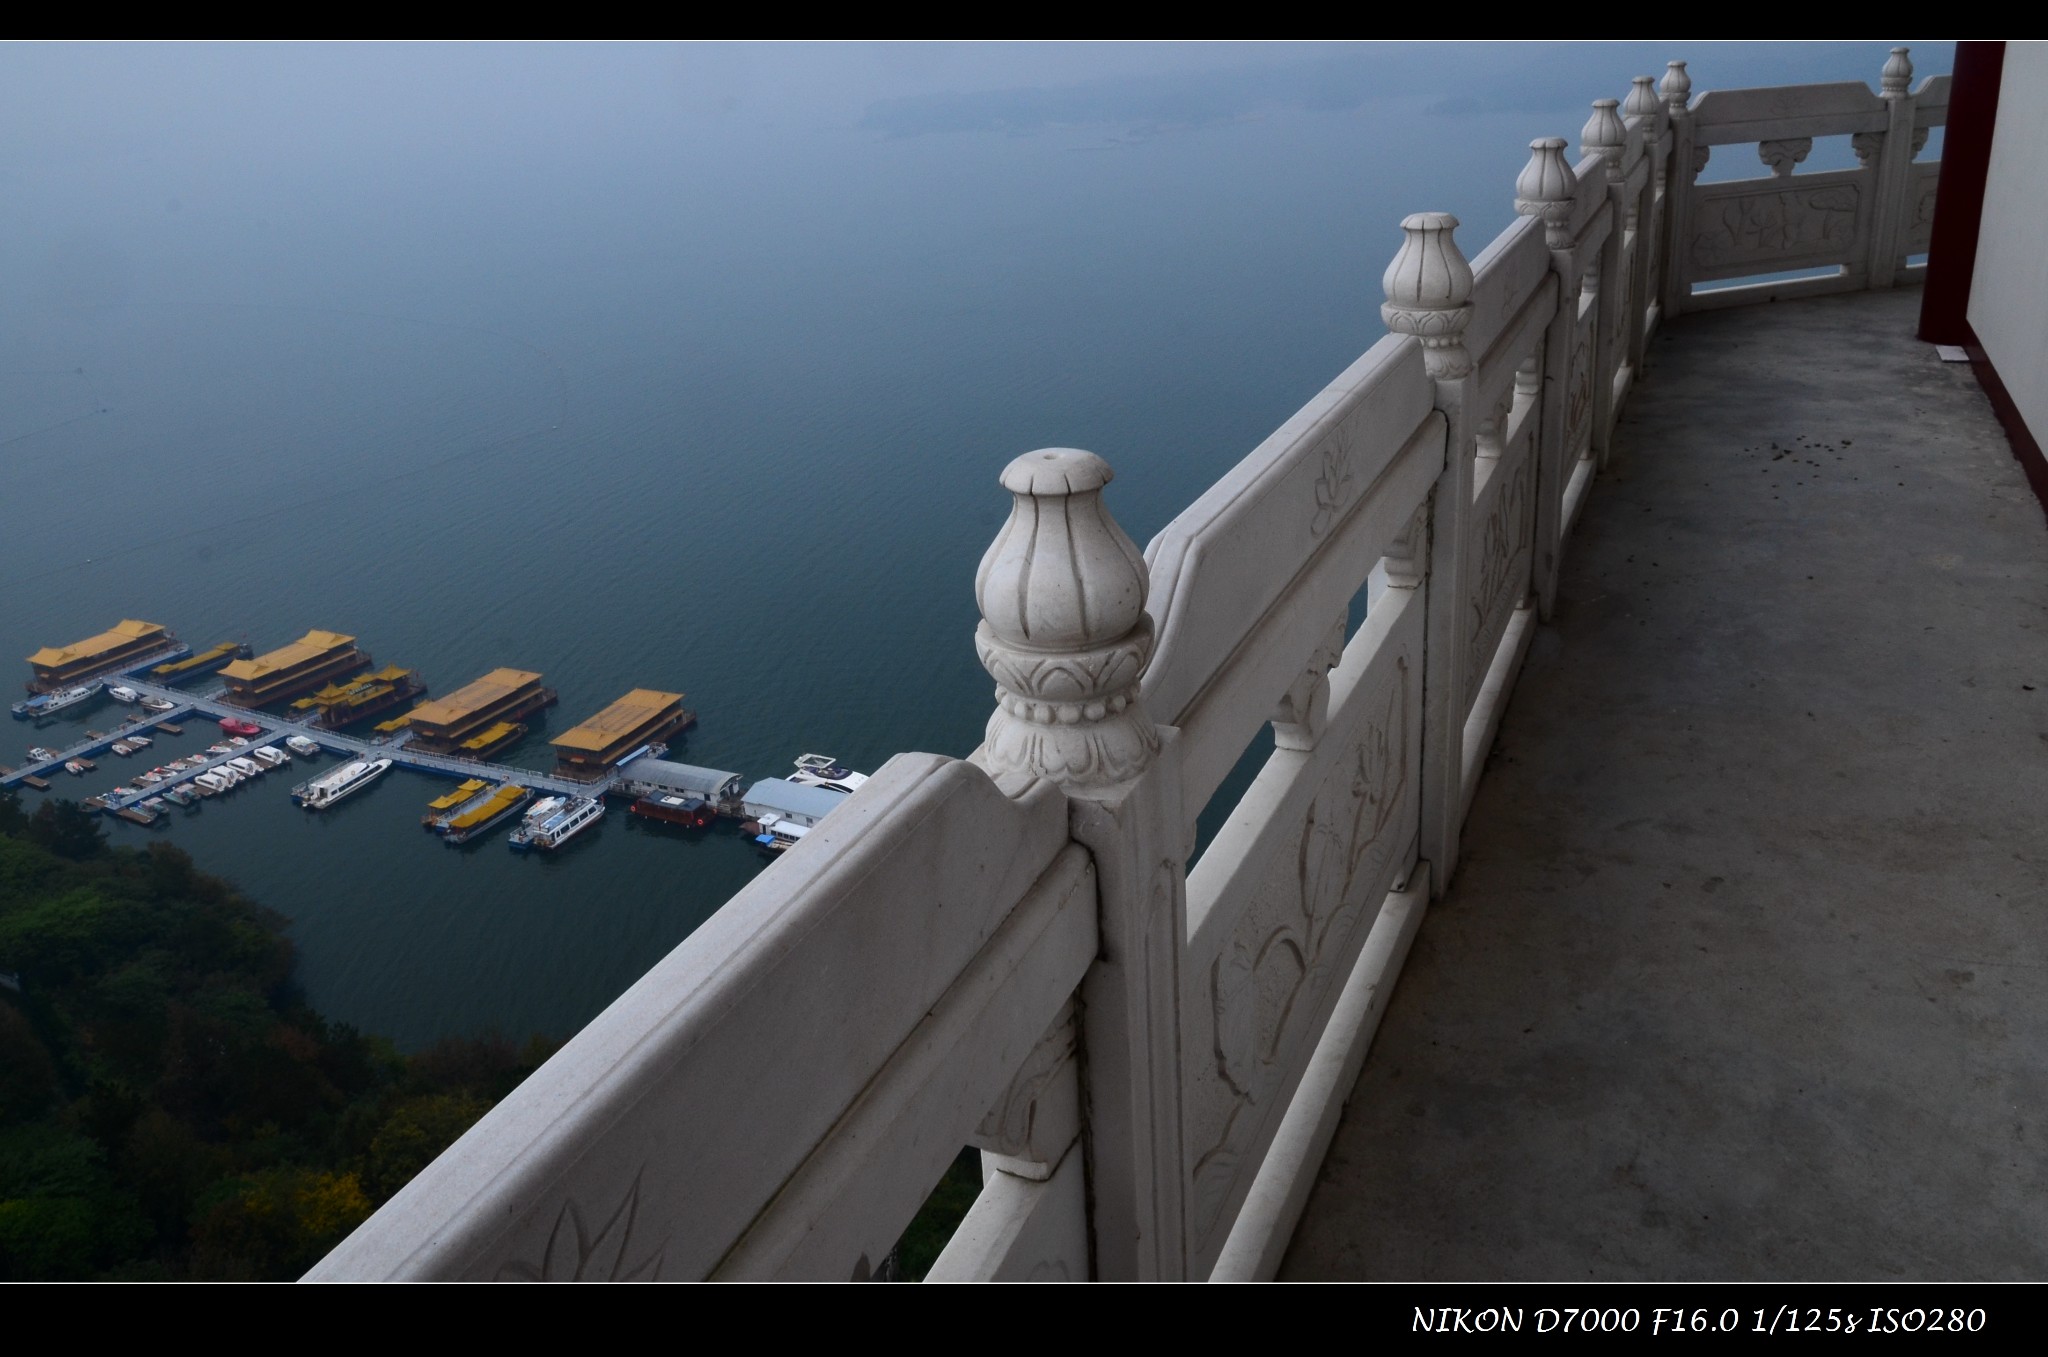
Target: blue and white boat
[(555, 820), (49, 704)]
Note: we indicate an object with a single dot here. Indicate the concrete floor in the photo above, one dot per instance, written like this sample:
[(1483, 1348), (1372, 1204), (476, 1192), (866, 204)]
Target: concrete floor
[(1741, 976)]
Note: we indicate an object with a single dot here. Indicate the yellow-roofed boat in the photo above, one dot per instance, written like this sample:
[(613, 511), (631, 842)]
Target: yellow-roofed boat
[(485, 811)]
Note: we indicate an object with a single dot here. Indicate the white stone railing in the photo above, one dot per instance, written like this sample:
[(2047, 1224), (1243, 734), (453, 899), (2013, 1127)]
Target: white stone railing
[(1008, 951)]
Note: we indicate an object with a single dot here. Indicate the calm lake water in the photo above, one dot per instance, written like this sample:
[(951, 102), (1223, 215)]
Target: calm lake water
[(683, 367)]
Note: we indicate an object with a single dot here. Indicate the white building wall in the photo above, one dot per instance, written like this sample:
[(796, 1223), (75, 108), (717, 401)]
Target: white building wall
[(2009, 294)]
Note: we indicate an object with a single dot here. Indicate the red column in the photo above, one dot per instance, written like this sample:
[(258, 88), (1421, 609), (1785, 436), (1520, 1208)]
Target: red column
[(1959, 197)]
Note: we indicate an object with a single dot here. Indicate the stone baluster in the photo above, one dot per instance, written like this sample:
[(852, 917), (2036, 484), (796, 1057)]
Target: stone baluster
[(1642, 101), (1897, 75), (1064, 630), (1676, 87), (1428, 288), (1644, 107), (1894, 169), (1548, 189), (1605, 136), (1065, 634)]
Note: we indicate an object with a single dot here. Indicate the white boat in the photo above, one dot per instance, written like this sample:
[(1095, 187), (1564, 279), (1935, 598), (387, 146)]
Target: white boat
[(822, 770), (139, 742), (228, 776), (270, 756), (121, 694), (237, 742), (554, 821), (246, 767), (75, 767), (41, 755), (779, 835), (210, 784), (347, 780), (49, 704), (158, 704), (301, 746)]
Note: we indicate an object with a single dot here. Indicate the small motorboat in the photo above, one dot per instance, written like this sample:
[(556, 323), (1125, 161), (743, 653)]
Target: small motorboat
[(41, 755), (122, 747), (158, 704), (248, 768), (128, 695), (235, 727), (270, 756), (77, 768), (301, 746), (139, 742)]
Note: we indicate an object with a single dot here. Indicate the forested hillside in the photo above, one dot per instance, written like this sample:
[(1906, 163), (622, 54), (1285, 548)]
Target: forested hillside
[(170, 1107)]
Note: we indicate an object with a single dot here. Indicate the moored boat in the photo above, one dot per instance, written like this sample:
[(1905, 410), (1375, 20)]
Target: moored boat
[(270, 756), (49, 704), (451, 802), (549, 829), (139, 742), (235, 726), (779, 835), (301, 746), (77, 767), (328, 789), (486, 812), (183, 796), (247, 767), (122, 747), (822, 770), (121, 693), (158, 704), (676, 808)]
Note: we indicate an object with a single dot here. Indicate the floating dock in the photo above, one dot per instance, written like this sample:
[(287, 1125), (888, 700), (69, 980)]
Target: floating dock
[(344, 704), (305, 664), (594, 750), (201, 662), (398, 750), (125, 645), (478, 719)]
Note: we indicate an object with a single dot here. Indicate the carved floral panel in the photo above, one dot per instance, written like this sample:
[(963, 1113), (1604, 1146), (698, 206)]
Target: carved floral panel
[(1259, 1001), (1917, 231), (1499, 568), (1769, 226)]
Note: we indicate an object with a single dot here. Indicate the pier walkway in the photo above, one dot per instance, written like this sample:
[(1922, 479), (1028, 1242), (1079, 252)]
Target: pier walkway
[(277, 729)]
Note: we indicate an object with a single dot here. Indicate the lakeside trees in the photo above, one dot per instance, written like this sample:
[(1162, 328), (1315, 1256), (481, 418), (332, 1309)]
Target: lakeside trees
[(170, 1106)]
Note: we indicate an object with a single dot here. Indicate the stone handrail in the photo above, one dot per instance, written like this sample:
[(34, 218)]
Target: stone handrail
[(1010, 951)]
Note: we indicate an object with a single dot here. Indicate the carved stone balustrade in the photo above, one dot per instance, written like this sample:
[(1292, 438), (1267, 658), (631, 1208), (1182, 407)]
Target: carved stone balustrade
[(1012, 950)]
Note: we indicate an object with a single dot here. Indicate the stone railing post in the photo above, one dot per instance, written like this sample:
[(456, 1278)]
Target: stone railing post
[(1605, 136), (1546, 190), (1644, 112), (1428, 288), (1686, 164), (1894, 170), (1065, 634)]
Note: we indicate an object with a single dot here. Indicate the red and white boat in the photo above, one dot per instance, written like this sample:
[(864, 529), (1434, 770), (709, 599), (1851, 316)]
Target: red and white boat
[(235, 727)]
